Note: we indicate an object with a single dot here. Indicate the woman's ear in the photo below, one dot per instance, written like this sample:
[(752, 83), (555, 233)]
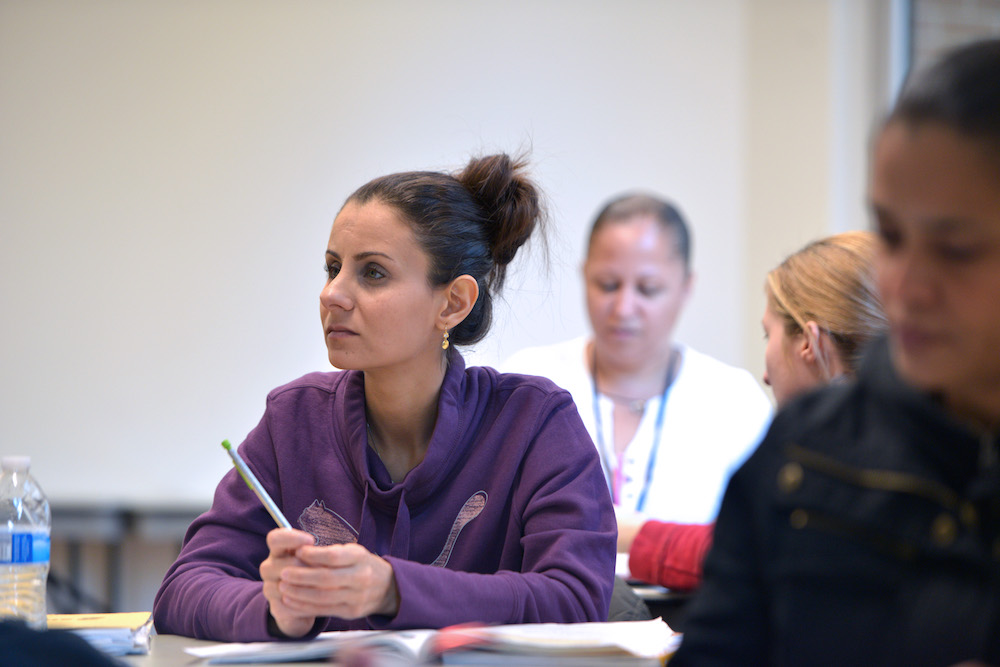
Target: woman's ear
[(820, 351), (460, 296), (812, 343)]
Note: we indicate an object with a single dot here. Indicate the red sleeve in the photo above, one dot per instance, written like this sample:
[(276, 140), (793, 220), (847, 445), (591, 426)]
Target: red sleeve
[(670, 554)]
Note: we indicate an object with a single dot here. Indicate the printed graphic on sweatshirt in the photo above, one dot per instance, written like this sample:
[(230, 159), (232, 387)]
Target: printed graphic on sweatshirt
[(326, 526), (470, 510)]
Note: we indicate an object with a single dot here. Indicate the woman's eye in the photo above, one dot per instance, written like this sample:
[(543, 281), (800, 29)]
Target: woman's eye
[(373, 272), (650, 290), (332, 270), (958, 253), (607, 287), (891, 239), (888, 233)]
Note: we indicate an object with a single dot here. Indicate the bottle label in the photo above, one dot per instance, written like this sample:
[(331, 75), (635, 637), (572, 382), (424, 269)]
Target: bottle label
[(24, 548)]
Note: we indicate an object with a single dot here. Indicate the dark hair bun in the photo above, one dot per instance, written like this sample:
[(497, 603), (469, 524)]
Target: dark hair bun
[(510, 202)]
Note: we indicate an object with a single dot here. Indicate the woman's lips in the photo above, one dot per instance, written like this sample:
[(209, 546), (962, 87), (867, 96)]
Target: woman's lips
[(623, 333), (914, 338), (337, 332)]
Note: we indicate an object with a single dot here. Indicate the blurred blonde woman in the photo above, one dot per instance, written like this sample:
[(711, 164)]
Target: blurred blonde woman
[(822, 311)]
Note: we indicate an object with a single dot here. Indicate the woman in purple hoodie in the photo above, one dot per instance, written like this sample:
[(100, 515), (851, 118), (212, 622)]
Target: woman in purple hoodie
[(423, 493)]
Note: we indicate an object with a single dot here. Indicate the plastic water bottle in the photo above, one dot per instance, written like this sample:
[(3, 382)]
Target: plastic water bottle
[(25, 526)]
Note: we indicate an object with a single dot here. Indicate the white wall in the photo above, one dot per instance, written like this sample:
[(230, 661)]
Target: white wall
[(169, 171), (820, 76)]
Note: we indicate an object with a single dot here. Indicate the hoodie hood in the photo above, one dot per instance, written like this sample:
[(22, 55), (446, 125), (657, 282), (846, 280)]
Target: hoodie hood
[(450, 443)]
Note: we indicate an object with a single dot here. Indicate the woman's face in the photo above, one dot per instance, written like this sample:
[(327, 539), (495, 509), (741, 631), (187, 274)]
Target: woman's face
[(636, 286), (936, 201), (377, 307), (786, 370)]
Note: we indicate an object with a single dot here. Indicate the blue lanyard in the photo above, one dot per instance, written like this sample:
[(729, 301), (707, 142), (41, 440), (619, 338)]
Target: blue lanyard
[(657, 429)]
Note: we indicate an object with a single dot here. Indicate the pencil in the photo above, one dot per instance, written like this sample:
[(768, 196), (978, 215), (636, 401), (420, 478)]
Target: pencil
[(255, 486)]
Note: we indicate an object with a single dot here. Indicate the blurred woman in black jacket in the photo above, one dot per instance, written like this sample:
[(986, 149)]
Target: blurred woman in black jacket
[(866, 528)]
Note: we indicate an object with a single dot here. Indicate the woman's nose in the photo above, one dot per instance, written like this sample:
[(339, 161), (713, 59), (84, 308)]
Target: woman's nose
[(336, 295), (907, 281), (624, 303)]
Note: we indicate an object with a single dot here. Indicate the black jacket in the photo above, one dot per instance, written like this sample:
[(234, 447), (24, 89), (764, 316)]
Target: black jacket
[(21, 646), (865, 530)]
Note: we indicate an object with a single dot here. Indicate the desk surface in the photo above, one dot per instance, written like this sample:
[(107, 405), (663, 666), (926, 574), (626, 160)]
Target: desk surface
[(168, 651)]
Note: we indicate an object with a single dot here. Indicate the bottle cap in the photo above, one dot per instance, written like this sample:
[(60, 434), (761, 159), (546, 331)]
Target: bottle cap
[(16, 463)]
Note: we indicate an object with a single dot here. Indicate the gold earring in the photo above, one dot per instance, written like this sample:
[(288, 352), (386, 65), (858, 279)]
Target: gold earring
[(444, 342)]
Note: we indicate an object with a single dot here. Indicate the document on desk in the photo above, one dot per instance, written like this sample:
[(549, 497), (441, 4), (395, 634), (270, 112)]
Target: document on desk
[(636, 643), (402, 647), (115, 634), (622, 643)]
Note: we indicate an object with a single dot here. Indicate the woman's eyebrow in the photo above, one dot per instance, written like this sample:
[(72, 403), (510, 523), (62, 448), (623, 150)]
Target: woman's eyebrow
[(362, 255), (942, 225), (370, 253), (946, 226)]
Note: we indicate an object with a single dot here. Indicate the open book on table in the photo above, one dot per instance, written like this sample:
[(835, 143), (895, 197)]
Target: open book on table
[(577, 644)]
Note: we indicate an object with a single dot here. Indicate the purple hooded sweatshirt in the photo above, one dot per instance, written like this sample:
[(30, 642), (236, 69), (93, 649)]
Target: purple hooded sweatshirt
[(507, 519)]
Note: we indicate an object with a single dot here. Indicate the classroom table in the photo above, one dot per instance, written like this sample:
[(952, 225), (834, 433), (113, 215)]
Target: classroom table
[(168, 651)]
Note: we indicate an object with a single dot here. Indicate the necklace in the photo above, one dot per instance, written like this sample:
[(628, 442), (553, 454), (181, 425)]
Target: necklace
[(614, 481), (636, 405)]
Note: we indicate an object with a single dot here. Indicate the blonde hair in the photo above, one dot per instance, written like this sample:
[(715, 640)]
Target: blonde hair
[(831, 282)]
